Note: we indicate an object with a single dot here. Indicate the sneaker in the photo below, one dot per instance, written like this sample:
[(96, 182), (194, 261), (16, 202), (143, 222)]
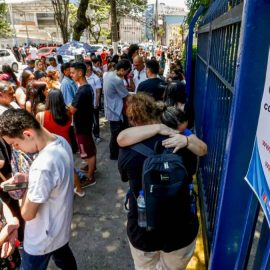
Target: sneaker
[(88, 182), (80, 194), (84, 168), (98, 140)]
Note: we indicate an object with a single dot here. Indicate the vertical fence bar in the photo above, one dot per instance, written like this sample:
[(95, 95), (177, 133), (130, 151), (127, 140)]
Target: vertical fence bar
[(231, 241), (189, 49)]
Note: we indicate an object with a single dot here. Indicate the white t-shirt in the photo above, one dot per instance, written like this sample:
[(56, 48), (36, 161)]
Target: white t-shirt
[(33, 51), (51, 185), (95, 82), (51, 68), (139, 76)]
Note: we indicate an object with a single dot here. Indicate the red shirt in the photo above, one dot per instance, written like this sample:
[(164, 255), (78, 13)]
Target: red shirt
[(103, 56), (55, 128)]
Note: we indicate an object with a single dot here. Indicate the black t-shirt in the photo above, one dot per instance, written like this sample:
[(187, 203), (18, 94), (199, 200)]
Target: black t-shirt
[(152, 87), (174, 236), (83, 102)]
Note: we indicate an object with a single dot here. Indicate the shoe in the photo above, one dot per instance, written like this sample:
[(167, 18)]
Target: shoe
[(98, 140), (84, 168), (88, 182), (80, 194)]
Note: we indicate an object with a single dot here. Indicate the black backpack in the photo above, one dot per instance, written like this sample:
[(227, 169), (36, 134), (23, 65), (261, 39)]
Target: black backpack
[(166, 187)]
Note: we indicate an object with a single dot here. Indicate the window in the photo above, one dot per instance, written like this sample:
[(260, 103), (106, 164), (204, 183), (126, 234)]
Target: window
[(4, 53)]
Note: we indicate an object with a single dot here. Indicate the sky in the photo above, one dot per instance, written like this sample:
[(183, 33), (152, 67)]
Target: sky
[(176, 3)]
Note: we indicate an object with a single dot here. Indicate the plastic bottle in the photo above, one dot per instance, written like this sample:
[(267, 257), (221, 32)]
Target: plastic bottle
[(141, 210), (192, 199)]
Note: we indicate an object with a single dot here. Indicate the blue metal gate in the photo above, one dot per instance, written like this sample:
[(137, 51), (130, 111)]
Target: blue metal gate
[(232, 39)]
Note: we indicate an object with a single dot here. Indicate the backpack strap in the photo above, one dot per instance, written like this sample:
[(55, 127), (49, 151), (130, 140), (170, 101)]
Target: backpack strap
[(142, 149)]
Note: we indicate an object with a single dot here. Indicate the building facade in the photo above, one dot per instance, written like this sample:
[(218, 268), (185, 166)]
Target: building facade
[(170, 18), (130, 30), (33, 21)]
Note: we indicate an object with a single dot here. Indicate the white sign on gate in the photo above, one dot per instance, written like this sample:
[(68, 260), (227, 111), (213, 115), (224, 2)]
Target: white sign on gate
[(258, 175)]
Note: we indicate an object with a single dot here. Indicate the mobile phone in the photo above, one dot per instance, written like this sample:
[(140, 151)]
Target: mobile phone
[(15, 186)]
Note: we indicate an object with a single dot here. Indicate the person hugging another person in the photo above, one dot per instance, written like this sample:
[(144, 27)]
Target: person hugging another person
[(170, 245)]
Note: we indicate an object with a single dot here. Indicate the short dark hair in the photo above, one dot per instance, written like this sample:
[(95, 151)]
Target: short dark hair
[(175, 92), (153, 65), (31, 61), (132, 49), (89, 63), (65, 66), (14, 121), (124, 63), (52, 59), (80, 66)]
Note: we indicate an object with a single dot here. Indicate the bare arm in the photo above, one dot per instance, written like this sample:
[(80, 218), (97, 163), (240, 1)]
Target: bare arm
[(9, 233), (137, 134), (192, 142), (134, 135), (20, 97), (72, 109), (29, 209), (98, 93)]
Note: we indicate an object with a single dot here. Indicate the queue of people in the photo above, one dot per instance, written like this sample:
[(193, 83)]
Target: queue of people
[(53, 110)]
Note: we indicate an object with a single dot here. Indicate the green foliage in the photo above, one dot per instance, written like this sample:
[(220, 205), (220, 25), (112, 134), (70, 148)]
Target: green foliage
[(194, 54), (72, 14), (99, 13), (5, 29), (130, 7), (193, 5)]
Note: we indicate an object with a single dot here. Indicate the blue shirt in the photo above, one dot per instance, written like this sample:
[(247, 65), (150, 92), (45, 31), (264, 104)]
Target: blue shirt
[(68, 89), (187, 132), (114, 92)]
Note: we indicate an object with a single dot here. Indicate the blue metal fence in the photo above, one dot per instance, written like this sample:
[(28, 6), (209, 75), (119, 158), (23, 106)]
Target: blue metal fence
[(236, 237)]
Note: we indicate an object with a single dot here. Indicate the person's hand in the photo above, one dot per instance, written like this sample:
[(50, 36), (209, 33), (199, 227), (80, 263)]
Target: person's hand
[(17, 178), (8, 247), (176, 141), (164, 130)]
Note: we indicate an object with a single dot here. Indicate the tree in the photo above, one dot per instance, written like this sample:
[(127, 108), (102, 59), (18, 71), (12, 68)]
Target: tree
[(82, 21), (61, 13), (193, 5), (123, 8), (99, 13), (118, 9), (5, 29)]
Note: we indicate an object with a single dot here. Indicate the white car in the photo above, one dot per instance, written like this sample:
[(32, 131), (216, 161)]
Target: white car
[(8, 58)]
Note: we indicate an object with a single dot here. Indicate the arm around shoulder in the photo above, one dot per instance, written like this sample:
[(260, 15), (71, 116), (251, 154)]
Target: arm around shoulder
[(196, 145)]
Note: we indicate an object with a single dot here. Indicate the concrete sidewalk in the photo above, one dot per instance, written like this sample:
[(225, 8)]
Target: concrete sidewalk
[(99, 239)]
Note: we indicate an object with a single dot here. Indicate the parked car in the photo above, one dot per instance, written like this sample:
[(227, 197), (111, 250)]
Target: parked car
[(44, 51), (97, 48), (8, 58)]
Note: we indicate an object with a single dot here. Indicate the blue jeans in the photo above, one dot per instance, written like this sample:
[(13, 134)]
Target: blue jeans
[(62, 257)]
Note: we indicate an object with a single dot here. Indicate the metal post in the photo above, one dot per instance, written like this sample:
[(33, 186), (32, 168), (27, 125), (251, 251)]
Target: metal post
[(189, 48), (237, 207)]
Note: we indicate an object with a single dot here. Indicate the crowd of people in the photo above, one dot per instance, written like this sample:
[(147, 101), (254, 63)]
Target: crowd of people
[(52, 112)]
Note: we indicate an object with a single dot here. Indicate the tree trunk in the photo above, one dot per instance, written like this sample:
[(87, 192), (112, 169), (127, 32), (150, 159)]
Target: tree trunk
[(82, 22), (114, 29), (61, 14)]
